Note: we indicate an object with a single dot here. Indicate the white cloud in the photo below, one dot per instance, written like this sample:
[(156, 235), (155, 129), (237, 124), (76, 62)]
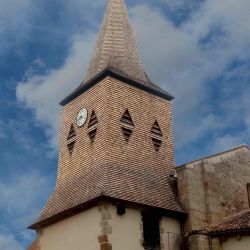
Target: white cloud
[(182, 5), (176, 58), (225, 142), (20, 19), (8, 242), (42, 93)]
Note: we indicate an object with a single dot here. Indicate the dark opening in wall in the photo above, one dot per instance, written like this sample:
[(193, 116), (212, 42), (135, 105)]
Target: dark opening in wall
[(156, 135), (126, 118), (127, 133), (71, 147), (71, 139), (127, 125), (72, 132), (92, 134), (156, 129), (121, 210), (93, 119), (92, 126), (157, 143), (151, 231)]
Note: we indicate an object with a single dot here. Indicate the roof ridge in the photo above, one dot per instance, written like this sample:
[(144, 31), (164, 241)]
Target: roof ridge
[(208, 157)]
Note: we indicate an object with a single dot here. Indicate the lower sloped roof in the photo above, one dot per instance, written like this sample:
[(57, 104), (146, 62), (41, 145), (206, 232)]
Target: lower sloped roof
[(236, 223), (34, 245), (135, 185)]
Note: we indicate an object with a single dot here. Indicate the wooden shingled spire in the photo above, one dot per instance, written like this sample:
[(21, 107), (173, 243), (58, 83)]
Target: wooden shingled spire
[(116, 46)]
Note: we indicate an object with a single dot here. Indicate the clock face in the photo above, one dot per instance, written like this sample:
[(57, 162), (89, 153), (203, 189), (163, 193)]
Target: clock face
[(81, 117)]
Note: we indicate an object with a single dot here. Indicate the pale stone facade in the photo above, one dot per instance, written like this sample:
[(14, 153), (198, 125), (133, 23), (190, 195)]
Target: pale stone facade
[(234, 242), (211, 189), (122, 231), (214, 187)]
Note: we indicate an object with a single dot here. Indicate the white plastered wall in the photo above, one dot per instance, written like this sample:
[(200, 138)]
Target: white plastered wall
[(75, 233), (170, 234), (125, 232)]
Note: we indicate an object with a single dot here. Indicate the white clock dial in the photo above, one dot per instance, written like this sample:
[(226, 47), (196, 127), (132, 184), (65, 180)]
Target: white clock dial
[(81, 117)]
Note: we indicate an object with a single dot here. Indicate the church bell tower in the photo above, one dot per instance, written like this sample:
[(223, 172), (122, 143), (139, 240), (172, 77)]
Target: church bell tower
[(116, 154)]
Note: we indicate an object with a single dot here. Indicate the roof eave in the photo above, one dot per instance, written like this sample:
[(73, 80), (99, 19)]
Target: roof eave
[(109, 72), (229, 232), (91, 203), (218, 233)]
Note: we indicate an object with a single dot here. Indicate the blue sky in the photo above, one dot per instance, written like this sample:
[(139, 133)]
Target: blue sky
[(198, 50)]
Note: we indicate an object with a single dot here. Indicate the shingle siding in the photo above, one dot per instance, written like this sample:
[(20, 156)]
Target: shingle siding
[(110, 166)]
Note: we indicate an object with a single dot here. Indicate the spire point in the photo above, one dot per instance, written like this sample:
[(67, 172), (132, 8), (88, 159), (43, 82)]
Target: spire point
[(116, 46)]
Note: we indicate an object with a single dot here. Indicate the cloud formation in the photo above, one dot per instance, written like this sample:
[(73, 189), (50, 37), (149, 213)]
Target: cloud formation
[(42, 93), (189, 59), (192, 60)]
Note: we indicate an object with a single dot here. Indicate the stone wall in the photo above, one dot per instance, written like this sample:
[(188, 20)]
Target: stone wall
[(236, 242), (214, 187), (203, 242), (196, 242)]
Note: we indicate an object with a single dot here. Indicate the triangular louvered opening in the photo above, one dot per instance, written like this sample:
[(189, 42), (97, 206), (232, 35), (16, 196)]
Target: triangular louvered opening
[(126, 118), (157, 144), (156, 129), (93, 119), (127, 133), (92, 134), (72, 132), (71, 147)]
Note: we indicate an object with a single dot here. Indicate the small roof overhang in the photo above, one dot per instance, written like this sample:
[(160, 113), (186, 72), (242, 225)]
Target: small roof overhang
[(148, 87)]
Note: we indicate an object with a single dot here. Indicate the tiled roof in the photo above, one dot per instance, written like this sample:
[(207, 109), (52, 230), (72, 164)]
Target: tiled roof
[(116, 52), (136, 79), (122, 76), (33, 246), (133, 185), (239, 222)]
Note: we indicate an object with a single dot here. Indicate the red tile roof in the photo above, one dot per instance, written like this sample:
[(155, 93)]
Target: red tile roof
[(239, 222), (33, 246)]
